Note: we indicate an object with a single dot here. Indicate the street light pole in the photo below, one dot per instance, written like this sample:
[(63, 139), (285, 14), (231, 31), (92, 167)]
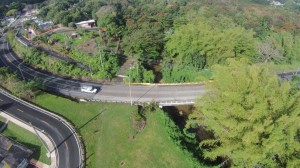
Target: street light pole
[(21, 70), (46, 147), (130, 87)]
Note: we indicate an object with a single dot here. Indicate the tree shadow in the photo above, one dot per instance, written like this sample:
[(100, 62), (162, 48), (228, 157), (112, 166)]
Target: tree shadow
[(179, 115), (83, 125), (35, 148), (6, 106), (91, 119)]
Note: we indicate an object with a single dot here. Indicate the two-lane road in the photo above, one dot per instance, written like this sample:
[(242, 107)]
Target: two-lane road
[(69, 151), (152, 93), (68, 147), (111, 93)]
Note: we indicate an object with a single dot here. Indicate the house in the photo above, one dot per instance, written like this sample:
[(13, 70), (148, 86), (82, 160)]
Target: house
[(276, 3), (32, 12), (13, 154), (86, 24), (31, 33), (75, 35), (44, 25)]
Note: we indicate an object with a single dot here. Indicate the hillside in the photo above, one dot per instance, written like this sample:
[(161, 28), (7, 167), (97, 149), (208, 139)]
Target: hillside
[(179, 40)]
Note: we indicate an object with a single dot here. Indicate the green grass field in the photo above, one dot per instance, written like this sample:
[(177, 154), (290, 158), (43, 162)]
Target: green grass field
[(62, 37), (1, 119), (28, 139), (107, 133)]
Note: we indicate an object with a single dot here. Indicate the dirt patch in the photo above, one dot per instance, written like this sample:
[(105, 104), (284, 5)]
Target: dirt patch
[(140, 125), (122, 163), (139, 121), (88, 47)]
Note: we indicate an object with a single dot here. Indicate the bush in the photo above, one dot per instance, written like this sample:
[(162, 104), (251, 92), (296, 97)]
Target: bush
[(183, 73), (139, 74), (71, 24)]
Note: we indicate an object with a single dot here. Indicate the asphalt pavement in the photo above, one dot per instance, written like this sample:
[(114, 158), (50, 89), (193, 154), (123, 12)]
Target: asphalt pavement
[(69, 152), (109, 93)]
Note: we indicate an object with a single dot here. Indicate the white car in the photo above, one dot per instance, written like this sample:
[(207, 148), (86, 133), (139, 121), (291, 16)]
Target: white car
[(88, 89)]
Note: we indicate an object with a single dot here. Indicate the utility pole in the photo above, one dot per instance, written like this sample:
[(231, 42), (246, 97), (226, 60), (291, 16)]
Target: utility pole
[(65, 39), (130, 87), (21, 70), (137, 69), (100, 54), (297, 71), (44, 144), (90, 68)]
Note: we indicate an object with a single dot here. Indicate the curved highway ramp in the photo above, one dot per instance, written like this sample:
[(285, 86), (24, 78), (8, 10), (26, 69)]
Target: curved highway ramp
[(67, 146)]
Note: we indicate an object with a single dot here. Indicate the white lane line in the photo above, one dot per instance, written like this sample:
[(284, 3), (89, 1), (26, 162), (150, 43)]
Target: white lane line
[(1, 100), (20, 110)]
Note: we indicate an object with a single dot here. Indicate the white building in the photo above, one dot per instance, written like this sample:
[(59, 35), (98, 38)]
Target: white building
[(86, 24), (276, 3)]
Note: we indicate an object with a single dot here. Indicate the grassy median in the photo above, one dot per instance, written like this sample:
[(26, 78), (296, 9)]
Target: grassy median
[(106, 129), (1, 120)]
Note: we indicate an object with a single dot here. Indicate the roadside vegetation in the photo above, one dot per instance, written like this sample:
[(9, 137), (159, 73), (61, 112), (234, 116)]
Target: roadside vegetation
[(169, 41), (87, 49), (20, 88), (116, 135), (2, 120), (167, 34), (40, 59)]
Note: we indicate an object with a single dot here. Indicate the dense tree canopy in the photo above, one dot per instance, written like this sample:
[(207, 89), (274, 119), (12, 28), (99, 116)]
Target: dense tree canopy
[(200, 45), (254, 117), (184, 36)]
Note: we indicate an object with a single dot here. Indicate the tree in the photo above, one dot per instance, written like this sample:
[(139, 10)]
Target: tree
[(144, 43), (139, 74), (281, 47), (201, 45), (268, 52), (254, 117), (264, 2), (11, 12), (72, 24)]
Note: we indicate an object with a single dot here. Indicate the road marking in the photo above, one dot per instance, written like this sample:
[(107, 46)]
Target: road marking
[(20, 110), (1, 100)]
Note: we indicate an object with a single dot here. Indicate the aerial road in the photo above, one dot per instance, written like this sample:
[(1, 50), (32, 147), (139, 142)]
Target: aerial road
[(185, 94), (67, 145)]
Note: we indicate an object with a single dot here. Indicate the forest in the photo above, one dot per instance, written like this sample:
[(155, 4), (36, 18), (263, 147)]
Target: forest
[(185, 37), (176, 40)]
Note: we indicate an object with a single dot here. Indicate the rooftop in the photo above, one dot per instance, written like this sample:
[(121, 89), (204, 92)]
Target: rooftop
[(85, 22), (13, 154)]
